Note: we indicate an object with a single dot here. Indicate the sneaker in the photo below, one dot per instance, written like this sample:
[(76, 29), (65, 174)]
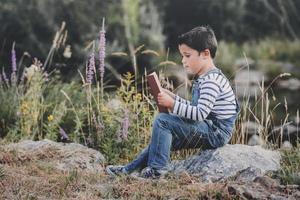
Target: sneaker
[(118, 170), (150, 172)]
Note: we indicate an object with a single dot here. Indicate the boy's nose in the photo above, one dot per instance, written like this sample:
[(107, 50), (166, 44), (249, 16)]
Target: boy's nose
[(183, 61)]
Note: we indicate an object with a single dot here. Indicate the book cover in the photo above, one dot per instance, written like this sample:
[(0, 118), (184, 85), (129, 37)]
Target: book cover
[(155, 88)]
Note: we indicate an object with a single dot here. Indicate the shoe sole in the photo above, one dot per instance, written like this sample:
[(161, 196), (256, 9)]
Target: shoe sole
[(109, 171)]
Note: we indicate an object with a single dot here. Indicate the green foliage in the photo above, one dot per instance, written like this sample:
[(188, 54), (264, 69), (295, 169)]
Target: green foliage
[(131, 17), (115, 145), (267, 55), (290, 166), (31, 104), (23, 110), (8, 109)]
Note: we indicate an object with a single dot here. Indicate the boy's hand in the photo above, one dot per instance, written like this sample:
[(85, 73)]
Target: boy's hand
[(168, 92), (166, 100)]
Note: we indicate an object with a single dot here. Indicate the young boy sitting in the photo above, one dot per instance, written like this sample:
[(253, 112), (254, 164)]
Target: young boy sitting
[(206, 121)]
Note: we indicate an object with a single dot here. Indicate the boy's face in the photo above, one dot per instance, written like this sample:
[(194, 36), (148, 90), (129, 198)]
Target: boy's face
[(192, 60)]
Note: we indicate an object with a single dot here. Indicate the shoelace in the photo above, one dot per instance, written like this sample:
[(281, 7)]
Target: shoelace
[(120, 169), (149, 173), (116, 170)]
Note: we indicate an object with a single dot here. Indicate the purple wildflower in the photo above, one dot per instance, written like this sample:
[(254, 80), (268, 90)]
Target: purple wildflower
[(5, 79), (13, 64), (102, 41), (123, 132), (13, 59), (98, 124), (63, 134), (90, 68)]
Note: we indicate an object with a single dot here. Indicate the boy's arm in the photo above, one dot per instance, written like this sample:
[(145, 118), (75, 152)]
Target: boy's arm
[(209, 92), (176, 97)]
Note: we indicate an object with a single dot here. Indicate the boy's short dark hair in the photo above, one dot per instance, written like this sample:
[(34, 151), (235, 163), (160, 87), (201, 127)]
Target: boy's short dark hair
[(200, 38)]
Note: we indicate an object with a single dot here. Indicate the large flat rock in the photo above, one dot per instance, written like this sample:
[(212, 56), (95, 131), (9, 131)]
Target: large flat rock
[(242, 161), (62, 156)]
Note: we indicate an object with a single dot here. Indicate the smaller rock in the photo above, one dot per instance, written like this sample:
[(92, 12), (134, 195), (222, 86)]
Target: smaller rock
[(296, 195), (289, 67), (255, 140), (247, 82), (266, 181), (291, 84), (286, 145), (248, 174), (242, 62), (251, 128), (287, 132)]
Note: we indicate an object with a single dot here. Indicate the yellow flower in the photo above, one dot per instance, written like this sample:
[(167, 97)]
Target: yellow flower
[(24, 108), (50, 118), (138, 96), (105, 109)]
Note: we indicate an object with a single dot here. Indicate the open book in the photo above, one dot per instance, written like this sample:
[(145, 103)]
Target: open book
[(155, 88)]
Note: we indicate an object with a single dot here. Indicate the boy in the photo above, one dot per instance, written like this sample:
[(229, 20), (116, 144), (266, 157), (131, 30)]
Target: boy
[(206, 121)]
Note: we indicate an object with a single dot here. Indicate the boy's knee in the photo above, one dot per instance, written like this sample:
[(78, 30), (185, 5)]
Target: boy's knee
[(162, 118)]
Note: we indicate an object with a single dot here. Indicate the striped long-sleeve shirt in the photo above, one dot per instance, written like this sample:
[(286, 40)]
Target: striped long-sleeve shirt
[(214, 95)]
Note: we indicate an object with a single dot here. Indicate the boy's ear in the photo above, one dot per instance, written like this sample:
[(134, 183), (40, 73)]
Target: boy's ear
[(206, 52)]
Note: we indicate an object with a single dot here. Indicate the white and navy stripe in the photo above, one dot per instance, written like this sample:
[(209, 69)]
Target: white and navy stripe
[(216, 97)]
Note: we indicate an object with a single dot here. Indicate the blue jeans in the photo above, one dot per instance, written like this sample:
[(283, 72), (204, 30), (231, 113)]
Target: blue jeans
[(171, 132)]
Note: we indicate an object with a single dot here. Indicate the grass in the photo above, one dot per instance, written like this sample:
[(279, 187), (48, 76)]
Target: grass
[(290, 166), (33, 181)]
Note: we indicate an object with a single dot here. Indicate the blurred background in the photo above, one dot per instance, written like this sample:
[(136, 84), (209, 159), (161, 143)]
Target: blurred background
[(259, 45)]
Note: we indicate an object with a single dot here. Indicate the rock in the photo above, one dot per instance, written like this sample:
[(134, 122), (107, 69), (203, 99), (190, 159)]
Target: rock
[(291, 84), (262, 187), (242, 62), (267, 182), (296, 195), (253, 192), (296, 120), (252, 128), (286, 145), (248, 81), (228, 161), (62, 156), (255, 140), (289, 67), (248, 174), (287, 132)]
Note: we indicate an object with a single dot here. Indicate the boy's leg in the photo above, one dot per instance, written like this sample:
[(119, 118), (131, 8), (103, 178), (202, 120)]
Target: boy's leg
[(140, 161), (184, 133)]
